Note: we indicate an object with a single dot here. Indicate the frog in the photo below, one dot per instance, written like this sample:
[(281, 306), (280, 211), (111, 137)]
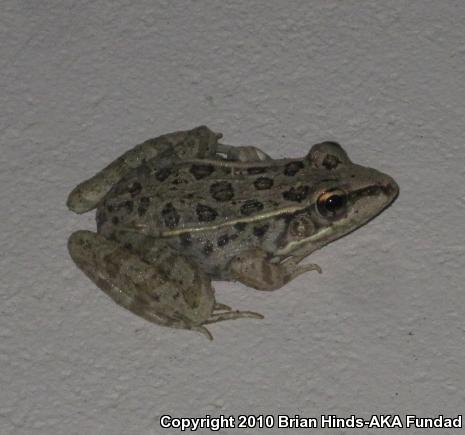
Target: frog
[(181, 210)]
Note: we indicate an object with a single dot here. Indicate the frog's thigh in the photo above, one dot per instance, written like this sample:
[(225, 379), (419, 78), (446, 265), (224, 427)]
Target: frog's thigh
[(254, 269), (196, 143), (128, 280)]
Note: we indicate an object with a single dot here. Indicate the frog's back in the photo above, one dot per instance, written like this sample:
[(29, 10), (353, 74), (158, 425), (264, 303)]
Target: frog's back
[(194, 195)]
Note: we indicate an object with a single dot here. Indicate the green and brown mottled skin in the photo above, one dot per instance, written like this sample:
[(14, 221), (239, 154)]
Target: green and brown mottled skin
[(182, 209)]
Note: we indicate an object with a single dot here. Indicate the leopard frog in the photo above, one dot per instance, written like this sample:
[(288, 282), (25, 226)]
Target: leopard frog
[(183, 209)]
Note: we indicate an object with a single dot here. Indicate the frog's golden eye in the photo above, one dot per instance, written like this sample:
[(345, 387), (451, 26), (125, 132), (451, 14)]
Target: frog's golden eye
[(332, 204)]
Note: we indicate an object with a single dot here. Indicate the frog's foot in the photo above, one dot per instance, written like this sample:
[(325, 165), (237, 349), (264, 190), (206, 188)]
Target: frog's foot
[(181, 322), (231, 315), (243, 153), (254, 269), (203, 331), (216, 317), (175, 321), (221, 307)]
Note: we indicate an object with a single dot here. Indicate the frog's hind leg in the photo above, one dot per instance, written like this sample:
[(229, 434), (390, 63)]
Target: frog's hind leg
[(232, 315), (228, 314), (199, 142), (142, 288), (115, 270)]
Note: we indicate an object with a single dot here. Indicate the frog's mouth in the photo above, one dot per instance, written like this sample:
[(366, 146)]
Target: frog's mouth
[(389, 190)]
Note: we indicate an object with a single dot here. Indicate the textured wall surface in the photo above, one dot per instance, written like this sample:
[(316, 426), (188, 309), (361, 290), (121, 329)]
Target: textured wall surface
[(381, 331)]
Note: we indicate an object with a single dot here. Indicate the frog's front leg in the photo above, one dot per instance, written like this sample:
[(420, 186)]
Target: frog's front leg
[(171, 291), (255, 268)]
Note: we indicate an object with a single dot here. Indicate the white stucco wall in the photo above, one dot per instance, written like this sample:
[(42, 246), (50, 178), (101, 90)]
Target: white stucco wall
[(381, 331)]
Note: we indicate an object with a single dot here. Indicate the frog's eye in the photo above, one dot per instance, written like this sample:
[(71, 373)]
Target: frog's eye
[(332, 204)]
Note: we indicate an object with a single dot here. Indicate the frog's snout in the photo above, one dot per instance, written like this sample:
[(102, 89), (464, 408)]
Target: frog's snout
[(389, 187)]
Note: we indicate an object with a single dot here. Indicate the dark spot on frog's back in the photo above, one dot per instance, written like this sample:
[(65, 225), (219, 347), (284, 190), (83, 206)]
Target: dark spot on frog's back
[(186, 239), (208, 248), (205, 213), (101, 219), (154, 296), (292, 168), (222, 191), (223, 240), (135, 188), (170, 216), (201, 171), (331, 162), (163, 174), (261, 230), (296, 194), (263, 183), (250, 207), (129, 206), (144, 203), (256, 170), (240, 226)]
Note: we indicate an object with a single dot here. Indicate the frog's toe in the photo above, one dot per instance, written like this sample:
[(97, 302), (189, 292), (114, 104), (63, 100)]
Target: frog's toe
[(231, 315), (203, 331), (250, 314), (221, 307)]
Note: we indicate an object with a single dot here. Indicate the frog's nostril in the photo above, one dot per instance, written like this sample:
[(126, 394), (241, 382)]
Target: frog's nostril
[(390, 188)]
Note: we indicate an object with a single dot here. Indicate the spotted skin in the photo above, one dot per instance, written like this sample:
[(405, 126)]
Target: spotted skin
[(201, 171), (222, 191), (251, 207), (206, 213), (292, 168), (183, 209), (263, 183), (296, 194), (173, 292), (170, 216), (222, 240)]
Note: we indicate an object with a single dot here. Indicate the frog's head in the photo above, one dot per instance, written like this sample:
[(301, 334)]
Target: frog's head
[(344, 197)]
